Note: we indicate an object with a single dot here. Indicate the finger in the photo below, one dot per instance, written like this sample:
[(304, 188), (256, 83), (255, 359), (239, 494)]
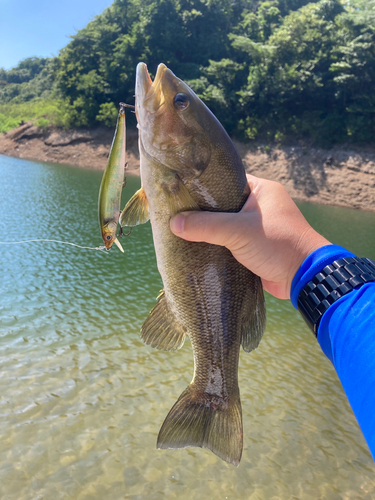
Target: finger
[(253, 181), (255, 184), (211, 227)]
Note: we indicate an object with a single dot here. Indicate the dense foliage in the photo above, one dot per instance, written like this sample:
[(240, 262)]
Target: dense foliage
[(266, 68)]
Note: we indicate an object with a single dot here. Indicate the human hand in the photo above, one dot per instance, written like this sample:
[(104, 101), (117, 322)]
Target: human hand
[(269, 235)]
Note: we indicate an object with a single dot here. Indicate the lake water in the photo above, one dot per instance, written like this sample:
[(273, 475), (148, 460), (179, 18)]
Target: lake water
[(82, 398)]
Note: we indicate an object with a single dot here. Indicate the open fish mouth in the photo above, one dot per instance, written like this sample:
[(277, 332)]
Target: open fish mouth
[(149, 94), (143, 80)]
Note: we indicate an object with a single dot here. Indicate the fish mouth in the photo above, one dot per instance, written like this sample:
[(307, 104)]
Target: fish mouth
[(143, 81), (149, 94)]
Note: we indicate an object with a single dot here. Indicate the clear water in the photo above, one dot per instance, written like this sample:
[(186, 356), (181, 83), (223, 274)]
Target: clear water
[(82, 399)]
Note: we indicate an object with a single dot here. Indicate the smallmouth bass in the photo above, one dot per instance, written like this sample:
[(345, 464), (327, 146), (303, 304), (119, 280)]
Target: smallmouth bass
[(188, 162), (111, 185)]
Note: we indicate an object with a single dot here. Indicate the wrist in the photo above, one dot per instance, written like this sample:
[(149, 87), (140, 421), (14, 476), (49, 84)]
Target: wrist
[(331, 284), (309, 242), (314, 263)]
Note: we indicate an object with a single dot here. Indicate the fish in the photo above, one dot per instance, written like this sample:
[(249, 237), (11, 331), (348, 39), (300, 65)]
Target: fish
[(188, 162), (112, 184)]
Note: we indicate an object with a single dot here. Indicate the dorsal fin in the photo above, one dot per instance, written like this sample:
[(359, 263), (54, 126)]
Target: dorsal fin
[(254, 316)]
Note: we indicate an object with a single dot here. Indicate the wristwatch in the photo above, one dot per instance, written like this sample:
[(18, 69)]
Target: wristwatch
[(332, 283)]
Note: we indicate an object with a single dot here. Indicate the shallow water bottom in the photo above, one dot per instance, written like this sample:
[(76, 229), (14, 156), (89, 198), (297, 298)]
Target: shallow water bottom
[(82, 399)]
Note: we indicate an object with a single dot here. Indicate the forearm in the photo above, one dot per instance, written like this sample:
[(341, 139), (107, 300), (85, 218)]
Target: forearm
[(346, 335)]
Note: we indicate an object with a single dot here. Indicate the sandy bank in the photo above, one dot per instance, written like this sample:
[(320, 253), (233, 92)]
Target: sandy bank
[(340, 176)]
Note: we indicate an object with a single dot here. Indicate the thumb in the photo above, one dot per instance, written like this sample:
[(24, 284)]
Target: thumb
[(212, 227)]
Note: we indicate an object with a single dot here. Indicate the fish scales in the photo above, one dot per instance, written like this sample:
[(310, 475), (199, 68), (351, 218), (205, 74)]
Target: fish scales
[(188, 162)]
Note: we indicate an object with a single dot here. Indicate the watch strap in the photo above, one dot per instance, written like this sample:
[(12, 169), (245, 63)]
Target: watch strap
[(330, 284)]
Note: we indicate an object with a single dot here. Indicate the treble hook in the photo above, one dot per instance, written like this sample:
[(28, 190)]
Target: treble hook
[(121, 233)]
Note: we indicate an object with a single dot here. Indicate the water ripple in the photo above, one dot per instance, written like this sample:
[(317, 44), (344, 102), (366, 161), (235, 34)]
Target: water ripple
[(82, 399)]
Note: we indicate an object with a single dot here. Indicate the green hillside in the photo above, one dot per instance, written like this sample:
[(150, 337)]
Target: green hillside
[(274, 69)]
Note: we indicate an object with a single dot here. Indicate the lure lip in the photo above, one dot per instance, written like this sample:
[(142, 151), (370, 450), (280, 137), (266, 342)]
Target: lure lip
[(118, 244)]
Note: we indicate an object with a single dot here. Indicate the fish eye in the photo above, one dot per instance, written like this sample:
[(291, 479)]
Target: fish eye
[(181, 101)]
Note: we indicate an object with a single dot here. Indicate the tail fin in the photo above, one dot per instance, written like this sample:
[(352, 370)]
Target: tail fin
[(191, 422)]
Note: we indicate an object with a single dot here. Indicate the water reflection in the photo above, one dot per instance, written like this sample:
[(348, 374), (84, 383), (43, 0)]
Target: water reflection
[(82, 399)]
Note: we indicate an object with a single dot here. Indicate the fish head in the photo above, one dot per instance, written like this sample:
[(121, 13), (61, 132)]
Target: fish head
[(109, 236), (173, 122)]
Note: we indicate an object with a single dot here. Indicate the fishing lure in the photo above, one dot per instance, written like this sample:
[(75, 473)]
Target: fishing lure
[(112, 184)]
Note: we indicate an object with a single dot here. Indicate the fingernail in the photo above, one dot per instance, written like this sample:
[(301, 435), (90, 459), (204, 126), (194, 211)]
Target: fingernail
[(177, 224)]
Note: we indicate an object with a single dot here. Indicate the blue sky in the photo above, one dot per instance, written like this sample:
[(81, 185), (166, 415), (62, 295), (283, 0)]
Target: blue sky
[(41, 27)]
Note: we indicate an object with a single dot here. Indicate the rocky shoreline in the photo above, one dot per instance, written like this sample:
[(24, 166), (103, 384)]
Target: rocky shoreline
[(339, 176)]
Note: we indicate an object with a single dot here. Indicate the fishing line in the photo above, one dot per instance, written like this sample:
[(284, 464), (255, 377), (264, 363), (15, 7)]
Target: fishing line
[(101, 249)]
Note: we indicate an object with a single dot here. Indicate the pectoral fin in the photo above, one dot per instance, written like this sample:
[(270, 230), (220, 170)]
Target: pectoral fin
[(161, 329), (136, 210), (178, 197)]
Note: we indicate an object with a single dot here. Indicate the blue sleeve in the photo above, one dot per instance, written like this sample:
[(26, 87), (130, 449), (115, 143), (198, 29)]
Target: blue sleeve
[(347, 336)]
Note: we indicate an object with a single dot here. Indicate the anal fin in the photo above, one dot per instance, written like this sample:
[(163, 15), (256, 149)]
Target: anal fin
[(161, 328), (136, 211)]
